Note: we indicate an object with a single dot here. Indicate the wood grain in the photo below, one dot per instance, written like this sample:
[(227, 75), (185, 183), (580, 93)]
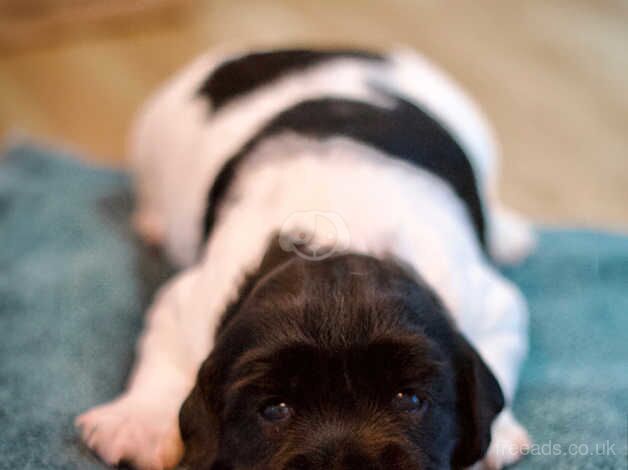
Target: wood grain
[(552, 77)]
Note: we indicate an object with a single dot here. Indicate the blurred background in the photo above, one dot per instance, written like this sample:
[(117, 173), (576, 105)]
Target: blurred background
[(552, 76)]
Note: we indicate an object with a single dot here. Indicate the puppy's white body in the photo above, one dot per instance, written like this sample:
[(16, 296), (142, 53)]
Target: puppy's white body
[(377, 206)]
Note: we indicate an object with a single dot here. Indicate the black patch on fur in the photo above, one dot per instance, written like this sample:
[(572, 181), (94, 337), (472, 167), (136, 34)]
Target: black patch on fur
[(242, 75), (403, 131), (336, 340)]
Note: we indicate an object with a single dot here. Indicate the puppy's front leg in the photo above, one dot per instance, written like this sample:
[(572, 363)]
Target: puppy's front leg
[(498, 329), (141, 425)]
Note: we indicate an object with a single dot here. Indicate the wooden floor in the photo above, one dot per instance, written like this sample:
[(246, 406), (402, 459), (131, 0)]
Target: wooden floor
[(552, 76)]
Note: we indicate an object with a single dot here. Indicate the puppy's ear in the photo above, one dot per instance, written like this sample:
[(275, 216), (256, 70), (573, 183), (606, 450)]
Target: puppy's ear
[(479, 401), (199, 423)]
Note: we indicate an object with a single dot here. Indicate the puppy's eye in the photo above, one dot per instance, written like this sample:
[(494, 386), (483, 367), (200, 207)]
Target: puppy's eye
[(408, 401), (276, 412)]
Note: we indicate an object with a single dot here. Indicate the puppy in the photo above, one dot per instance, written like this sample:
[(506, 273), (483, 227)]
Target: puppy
[(336, 218)]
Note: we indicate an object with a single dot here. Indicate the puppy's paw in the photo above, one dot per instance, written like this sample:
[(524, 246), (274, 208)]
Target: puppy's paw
[(512, 238), (509, 441), (127, 431)]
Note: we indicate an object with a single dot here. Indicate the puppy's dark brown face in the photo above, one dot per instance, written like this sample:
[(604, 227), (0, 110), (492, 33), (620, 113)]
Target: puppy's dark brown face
[(347, 363)]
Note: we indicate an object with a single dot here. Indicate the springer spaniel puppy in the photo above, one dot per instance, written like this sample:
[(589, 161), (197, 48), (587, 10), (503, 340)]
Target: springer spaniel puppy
[(336, 218)]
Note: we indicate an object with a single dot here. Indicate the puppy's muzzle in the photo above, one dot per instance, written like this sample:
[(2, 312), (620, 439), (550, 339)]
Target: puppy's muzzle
[(347, 454)]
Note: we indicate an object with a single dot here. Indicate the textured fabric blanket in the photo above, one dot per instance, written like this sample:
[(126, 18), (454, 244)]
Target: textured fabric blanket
[(74, 283)]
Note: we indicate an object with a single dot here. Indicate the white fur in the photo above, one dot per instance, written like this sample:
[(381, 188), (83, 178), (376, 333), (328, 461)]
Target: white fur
[(178, 146)]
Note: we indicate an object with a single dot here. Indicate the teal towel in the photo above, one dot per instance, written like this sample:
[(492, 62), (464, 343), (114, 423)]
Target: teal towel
[(74, 283)]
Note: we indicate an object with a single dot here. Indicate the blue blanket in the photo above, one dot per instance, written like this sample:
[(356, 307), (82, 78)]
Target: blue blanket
[(74, 283)]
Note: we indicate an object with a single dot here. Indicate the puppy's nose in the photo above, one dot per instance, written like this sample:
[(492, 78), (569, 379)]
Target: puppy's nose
[(355, 461), (333, 458)]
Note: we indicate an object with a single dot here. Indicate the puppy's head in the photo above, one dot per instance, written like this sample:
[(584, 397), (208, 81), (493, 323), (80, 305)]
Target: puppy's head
[(346, 363)]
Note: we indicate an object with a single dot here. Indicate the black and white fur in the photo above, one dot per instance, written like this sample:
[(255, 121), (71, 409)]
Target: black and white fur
[(253, 136)]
